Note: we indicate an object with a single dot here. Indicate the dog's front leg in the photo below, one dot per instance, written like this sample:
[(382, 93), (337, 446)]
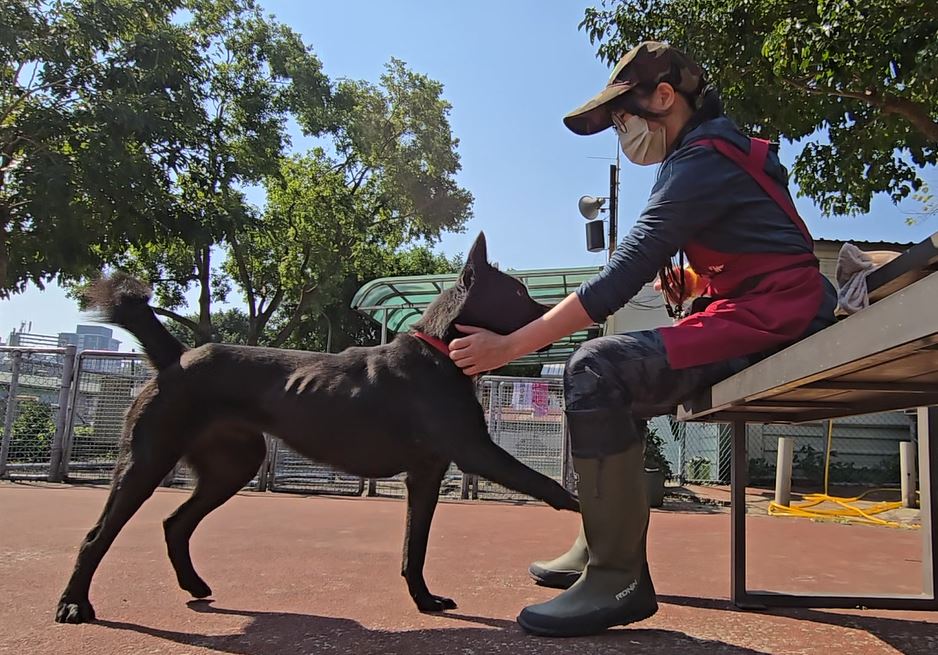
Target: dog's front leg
[(423, 491)]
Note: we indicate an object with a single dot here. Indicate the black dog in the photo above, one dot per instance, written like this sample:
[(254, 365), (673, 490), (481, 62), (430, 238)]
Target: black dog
[(373, 412)]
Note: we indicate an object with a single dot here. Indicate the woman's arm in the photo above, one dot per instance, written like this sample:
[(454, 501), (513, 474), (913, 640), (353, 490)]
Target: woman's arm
[(483, 351), (690, 193)]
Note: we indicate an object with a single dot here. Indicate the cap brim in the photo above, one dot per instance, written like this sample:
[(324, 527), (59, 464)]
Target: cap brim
[(594, 116)]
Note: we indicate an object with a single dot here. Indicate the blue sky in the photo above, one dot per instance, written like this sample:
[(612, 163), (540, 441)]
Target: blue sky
[(511, 70)]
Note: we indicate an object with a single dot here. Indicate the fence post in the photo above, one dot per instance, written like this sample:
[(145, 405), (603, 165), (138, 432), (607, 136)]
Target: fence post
[(786, 447), (61, 419), (273, 453), (263, 473), (10, 412), (372, 489), (71, 414), (907, 473)]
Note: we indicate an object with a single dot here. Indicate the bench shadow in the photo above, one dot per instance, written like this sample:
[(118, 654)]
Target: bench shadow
[(905, 635), (275, 633)]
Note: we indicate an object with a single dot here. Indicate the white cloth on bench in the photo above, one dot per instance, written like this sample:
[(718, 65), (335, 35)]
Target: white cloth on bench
[(853, 265)]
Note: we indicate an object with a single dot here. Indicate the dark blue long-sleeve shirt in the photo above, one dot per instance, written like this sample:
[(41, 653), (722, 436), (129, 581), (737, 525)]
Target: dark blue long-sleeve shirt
[(699, 194)]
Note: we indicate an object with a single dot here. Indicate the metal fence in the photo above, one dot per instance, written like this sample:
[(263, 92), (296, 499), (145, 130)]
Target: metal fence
[(525, 417), (864, 450), (104, 386), (34, 387), (52, 398), (62, 417)]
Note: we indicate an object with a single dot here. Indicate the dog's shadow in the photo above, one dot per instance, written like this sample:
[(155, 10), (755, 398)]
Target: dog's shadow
[(273, 633)]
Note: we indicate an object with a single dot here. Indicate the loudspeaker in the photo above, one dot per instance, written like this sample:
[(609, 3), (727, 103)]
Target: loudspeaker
[(595, 236), (589, 207)]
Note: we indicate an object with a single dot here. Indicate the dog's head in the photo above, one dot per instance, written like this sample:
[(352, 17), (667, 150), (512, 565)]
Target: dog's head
[(483, 296)]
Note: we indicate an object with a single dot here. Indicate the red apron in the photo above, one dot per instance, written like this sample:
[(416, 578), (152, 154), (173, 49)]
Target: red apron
[(763, 300)]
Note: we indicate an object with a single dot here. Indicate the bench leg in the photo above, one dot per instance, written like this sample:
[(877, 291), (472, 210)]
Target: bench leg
[(928, 476), (928, 468), (738, 479)]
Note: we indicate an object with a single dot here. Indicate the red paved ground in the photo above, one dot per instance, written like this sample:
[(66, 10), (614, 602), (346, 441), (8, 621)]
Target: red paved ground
[(318, 575)]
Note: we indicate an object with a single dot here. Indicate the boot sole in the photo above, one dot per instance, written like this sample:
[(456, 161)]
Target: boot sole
[(554, 579), (584, 627)]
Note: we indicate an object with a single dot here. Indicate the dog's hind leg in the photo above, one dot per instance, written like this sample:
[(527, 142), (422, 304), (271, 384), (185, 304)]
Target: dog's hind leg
[(137, 475), (224, 461), (423, 491)]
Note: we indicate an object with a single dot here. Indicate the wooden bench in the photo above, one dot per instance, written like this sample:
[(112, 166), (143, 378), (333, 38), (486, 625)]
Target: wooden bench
[(880, 359)]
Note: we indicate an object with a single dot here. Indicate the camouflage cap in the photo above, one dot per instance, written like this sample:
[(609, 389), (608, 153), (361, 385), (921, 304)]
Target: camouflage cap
[(648, 64)]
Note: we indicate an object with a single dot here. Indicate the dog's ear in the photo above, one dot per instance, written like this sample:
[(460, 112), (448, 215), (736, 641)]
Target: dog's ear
[(478, 254), (465, 276), (476, 262)]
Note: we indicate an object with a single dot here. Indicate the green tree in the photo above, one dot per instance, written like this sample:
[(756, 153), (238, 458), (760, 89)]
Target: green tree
[(97, 101), (33, 432), (330, 218), (863, 74), (256, 76), (334, 325), (229, 326)]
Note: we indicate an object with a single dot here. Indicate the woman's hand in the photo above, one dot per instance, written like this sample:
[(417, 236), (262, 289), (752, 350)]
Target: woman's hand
[(481, 350), (696, 285)]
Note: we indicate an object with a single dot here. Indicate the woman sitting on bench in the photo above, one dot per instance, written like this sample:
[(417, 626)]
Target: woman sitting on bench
[(722, 199)]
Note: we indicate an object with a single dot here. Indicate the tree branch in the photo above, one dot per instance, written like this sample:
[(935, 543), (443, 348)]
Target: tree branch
[(204, 265), (179, 318), (916, 113), (30, 91), (306, 296), (246, 282)]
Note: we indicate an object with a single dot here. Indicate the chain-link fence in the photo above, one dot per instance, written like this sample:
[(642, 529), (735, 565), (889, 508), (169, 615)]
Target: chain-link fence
[(291, 471), (62, 418), (33, 393), (105, 385), (525, 417), (864, 450)]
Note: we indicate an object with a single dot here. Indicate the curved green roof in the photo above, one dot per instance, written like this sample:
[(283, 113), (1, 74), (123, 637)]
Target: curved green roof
[(402, 300)]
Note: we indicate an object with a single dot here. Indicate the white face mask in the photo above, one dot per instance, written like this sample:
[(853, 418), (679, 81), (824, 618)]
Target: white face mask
[(639, 143)]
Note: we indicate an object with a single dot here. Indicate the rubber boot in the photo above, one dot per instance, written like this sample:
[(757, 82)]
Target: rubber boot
[(563, 571), (616, 587)]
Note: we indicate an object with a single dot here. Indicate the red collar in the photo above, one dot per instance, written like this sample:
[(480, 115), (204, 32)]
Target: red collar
[(439, 344)]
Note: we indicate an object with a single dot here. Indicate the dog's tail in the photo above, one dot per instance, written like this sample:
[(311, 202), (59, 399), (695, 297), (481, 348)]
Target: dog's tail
[(124, 300)]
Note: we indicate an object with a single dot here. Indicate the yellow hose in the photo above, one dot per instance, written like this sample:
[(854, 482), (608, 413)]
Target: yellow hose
[(844, 509)]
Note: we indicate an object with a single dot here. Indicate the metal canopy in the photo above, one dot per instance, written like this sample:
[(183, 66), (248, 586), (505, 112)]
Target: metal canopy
[(397, 302), (883, 358)]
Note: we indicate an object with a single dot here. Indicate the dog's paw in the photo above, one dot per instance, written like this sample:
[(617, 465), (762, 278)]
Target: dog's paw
[(431, 603), (74, 612), (566, 501), (197, 588)]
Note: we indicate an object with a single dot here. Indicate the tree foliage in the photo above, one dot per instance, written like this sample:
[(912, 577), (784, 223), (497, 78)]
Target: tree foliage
[(864, 75), (330, 325), (329, 218), (33, 432), (96, 106), (131, 131), (255, 75)]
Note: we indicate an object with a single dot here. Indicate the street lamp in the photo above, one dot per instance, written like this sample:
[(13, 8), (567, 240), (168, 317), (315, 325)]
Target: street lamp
[(590, 207)]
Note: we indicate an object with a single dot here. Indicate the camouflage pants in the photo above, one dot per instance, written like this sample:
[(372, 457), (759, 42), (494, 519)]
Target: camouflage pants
[(613, 383)]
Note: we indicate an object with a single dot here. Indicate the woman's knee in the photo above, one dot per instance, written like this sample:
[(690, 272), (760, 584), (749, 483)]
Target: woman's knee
[(608, 371), (587, 380)]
